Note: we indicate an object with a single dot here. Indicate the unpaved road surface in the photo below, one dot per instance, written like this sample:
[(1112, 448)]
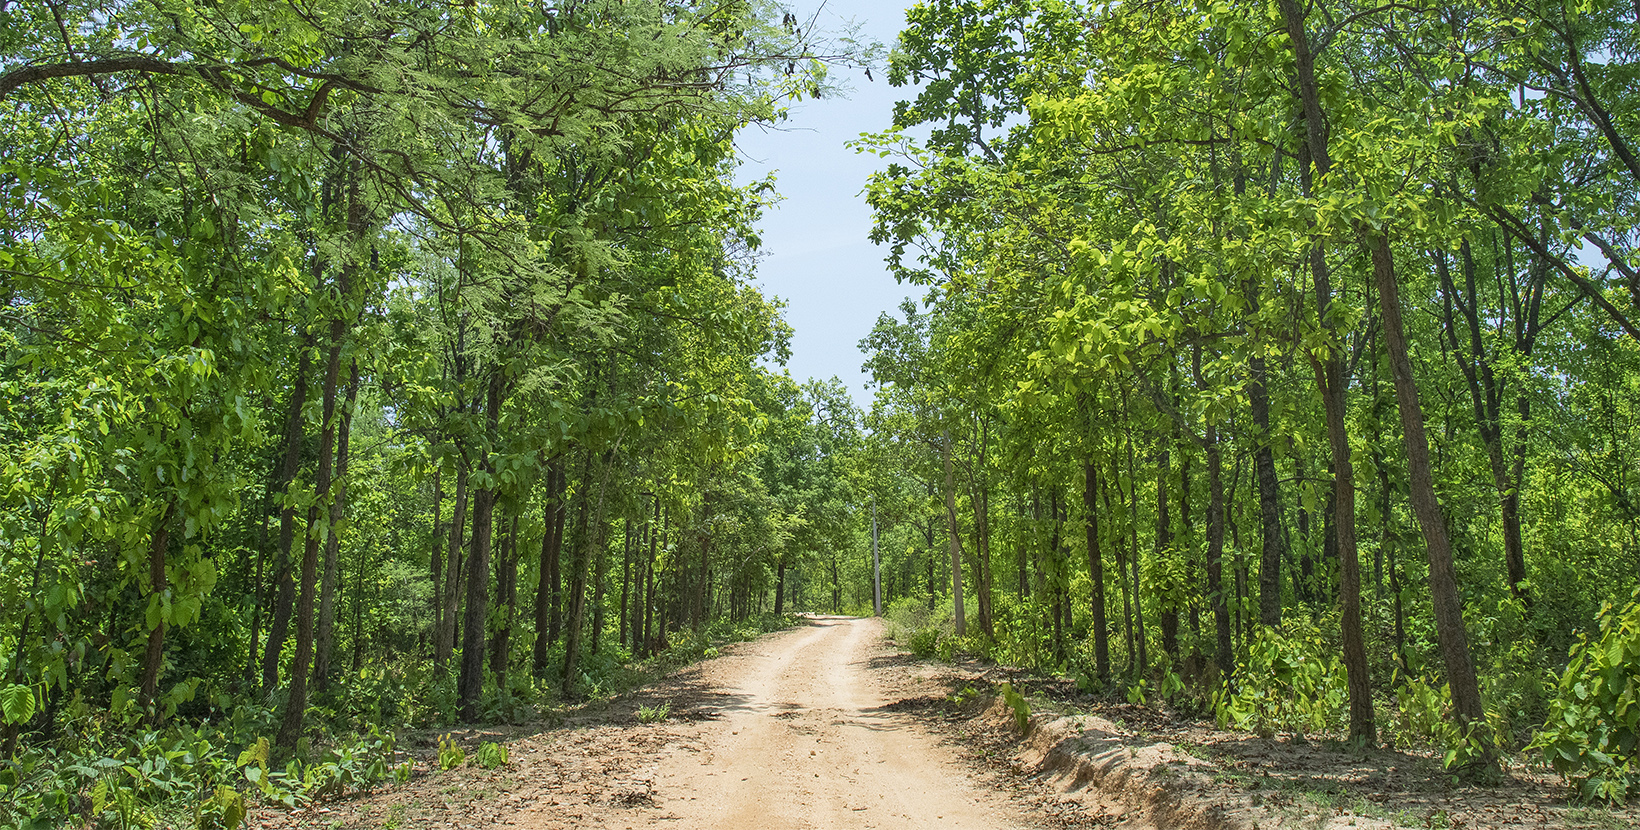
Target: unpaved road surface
[(806, 740), (821, 726)]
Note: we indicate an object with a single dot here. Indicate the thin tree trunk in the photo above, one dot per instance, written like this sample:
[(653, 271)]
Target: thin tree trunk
[(549, 590), (1443, 580), (626, 583), (577, 600), (1215, 552), (1269, 496), (291, 724), (1169, 611), (285, 594), (327, 590), (470, 682), (506, 589), (1330, 378), (437, 558), (1133, 545), (959, 621), (1096, 571), (445, 640), (600, 583)]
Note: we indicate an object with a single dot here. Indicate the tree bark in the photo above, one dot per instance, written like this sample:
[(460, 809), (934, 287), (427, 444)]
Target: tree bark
[(292, 723), (1169, 612), (327, 589), (549, 590), (445, 639), (506, 590), (959, 621), (1330, 379), (577, 600), (1443, 580), (470, 683), (436, 560), (1096, 570), (600, 582), (285, 593), (626, 583)]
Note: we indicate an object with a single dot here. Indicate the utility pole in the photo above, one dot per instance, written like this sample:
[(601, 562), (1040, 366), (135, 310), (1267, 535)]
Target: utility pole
[(876, 563)]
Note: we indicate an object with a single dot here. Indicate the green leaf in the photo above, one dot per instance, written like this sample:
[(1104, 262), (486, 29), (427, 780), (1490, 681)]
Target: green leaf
[(17, 703)]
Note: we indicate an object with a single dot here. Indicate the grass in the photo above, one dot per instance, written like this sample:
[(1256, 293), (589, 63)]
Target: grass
[(395, 817)]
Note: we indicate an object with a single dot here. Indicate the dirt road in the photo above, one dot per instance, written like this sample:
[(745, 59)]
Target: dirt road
[(804, 741), (821, 726)]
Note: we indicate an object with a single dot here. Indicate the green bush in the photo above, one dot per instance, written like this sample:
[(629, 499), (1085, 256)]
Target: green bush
[(923, 641), (490, 755), (1018, 703), (1291, 681), (450, 753), (1592, 735)]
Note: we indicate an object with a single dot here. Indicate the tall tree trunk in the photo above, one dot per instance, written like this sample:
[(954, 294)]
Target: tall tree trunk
[(285, 594), (1141, 652), (1330, 378), (1096, 570), (506, 595), (327, 589), (549, 590), (959, 621), (576, 603), (651, 538), (600, 582), (444, 641), (780, 587), (292, 723), (1169, 611), (626, 583), (437, 558), (981, 496), (1269, 495), (1443, 580), (1486, 396), (1215, 552), (1055, 580), (470, 682)]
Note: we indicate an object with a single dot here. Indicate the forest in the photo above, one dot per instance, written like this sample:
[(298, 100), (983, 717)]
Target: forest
[(372, 366)]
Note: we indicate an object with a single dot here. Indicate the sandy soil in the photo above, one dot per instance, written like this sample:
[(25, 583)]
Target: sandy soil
[(817, 727)]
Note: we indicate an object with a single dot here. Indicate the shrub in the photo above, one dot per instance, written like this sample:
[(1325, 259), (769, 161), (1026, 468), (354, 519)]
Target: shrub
[(1018, 703), (923, 642), (450, 754), (490, 755), (1291, 681), (1592, 735)]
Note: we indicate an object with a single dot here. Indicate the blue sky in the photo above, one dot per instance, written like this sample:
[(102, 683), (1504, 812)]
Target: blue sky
[(816, 254)]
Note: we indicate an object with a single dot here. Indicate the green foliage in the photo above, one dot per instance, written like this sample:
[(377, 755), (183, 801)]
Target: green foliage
[(450, 754), (1017, 702), (1290, 681), (489, 755), (223, 810), (654, 714), (1592, 735)]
